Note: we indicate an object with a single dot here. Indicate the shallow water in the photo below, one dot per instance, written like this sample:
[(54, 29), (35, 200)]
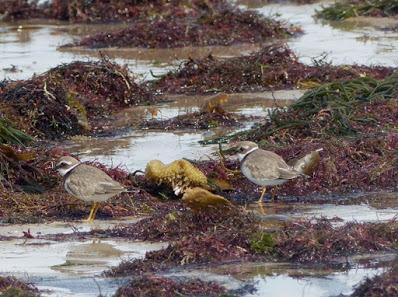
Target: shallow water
[(134, 149), (341, 214), (361, 45), (32, 49), (68, 268), (280, 280)]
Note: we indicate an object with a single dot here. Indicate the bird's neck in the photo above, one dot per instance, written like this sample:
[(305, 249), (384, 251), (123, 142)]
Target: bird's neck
[(243, 156)]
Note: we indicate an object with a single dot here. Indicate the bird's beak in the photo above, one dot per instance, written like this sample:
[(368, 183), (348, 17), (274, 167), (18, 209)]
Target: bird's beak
[(55, 167)]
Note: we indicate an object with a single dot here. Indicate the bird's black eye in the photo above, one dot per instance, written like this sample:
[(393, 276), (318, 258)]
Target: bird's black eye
[(242, 149)]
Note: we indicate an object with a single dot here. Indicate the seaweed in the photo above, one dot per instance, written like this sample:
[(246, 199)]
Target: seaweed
[(274, 67), (353, 8), (335, 108), (383, 285), (158, 286), (303, 241), (197, 120), (11, 10), (96, 11), (319, 240), (72, 99), (12, 287), (226, 26), (10, 135)]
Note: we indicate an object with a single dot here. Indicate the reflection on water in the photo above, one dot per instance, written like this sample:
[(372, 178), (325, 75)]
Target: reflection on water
[(281, 280), (136, 149), (345, 213), (331, 285)]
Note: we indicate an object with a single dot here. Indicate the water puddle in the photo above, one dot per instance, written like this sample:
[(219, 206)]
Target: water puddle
[(169, 55), (70, 268), (272, 279), (133, 151), (372, 207), (342, 47), (16, 230), (341, 213), (26, 49)]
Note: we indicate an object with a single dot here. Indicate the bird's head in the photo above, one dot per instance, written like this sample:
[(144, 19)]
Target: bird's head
[(241, 148), (66, 164)]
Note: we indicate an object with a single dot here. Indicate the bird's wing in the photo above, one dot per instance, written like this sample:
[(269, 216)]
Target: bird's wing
[(288, 173), (269, 165), (262, 165), (86, 181)]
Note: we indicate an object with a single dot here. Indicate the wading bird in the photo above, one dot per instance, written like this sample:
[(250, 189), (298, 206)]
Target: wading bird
[(87, 183), (261, 167)]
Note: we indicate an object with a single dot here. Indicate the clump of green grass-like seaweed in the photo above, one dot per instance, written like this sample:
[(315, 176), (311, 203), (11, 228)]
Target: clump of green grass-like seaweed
[(12, 287), (10, 135), (353, 8), (330, 109)]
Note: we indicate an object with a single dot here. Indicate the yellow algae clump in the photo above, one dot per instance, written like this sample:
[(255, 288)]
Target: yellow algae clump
[(199, 199), (179, 175), (215, 104)]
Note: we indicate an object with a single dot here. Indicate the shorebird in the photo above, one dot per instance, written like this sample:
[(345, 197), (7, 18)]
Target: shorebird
[(87, 183), (263, 168)]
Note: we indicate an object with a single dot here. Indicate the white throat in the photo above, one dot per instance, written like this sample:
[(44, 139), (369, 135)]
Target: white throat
[(242, 156), (63, 172)]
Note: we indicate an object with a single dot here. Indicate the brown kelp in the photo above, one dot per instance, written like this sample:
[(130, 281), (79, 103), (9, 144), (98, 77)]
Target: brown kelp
[(71, 99), (273, 67)]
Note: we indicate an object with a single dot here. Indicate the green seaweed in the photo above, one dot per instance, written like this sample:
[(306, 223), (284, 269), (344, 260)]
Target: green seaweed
[(262, 243), (79, 110), (11, 135), (352, 8), (338, 101)]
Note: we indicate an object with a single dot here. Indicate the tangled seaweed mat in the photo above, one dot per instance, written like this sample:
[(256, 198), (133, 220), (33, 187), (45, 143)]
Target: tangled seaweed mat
[(197, 120), (383, 285), (11, 287), (235, 236), (224, 26), (71, 99), (97, 11), (158, 286), (274, 67)]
